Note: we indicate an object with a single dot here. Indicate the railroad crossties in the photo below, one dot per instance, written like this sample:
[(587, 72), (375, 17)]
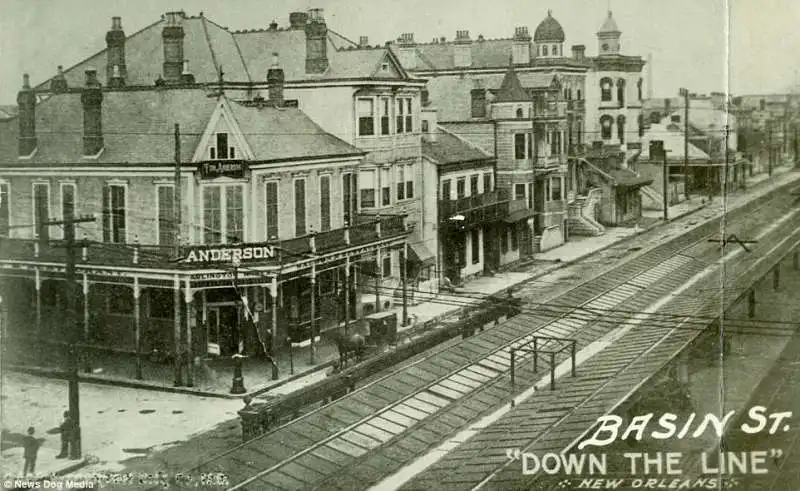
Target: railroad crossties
[(446, 420)]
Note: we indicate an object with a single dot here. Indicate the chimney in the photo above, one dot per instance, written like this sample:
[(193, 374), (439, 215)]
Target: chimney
[(172, 37), (316, 42), (521, 46), (116, 73), (275, 81), (429, 122), (667, 106), (579, 51), (273, 26), (187, 77), (26, 99), (92, 100), (363, 42), (59, 82), (297, 20), (407, 51), (462, 49)]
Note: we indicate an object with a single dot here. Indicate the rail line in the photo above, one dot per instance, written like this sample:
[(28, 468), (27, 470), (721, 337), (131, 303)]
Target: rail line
[(419, 404)]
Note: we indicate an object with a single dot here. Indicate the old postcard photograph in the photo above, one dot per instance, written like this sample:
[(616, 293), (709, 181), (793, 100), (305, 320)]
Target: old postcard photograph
[(347, 245)]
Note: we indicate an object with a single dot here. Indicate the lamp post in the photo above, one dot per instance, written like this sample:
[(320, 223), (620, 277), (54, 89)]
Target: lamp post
[(237, 385)]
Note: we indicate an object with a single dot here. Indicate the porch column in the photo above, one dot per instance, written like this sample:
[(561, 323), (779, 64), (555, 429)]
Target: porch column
[(37, 281), (346, 293), (313, 312), (177, 331), (273, 293), (188, 297), (378, 276), (137, 293)]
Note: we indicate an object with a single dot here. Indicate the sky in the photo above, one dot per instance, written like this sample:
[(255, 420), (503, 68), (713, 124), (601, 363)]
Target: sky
[(741, 46)]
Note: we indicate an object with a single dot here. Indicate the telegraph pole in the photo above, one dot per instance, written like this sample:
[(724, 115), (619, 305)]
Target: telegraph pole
[(665, 185), (685, 94), (404, 272), (796, 154), (177, 219), (769, 147), (75, 331)]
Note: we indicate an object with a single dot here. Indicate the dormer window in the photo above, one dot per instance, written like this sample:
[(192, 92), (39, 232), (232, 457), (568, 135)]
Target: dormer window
[(222, 151), (385, 67)]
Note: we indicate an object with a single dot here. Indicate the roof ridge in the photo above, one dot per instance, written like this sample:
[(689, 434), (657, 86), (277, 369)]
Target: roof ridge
[(464, 140)]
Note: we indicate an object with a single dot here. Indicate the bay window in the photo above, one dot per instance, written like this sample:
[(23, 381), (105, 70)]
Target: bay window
[(366, 117)]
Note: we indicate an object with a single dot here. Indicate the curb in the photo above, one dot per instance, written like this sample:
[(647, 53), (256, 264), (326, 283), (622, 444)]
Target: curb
[(132, 384)]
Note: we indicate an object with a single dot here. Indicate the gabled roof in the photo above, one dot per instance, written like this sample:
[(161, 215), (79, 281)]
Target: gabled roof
[(511, 89), (450, 149), (242, 56), (138, 129)]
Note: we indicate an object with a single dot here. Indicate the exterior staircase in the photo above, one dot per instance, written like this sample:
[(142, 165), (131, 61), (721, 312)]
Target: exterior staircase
[(581, 215)]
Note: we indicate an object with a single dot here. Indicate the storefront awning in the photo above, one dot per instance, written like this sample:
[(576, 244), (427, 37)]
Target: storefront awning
[(518, 215), (418, 253)]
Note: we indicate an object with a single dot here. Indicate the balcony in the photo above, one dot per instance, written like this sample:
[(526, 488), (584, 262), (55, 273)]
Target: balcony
[(549, 162), (364, 231), (476, 210), (550, 110)]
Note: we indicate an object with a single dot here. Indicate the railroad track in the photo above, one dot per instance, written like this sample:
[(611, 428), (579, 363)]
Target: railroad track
[(556, 421), (408, 410)]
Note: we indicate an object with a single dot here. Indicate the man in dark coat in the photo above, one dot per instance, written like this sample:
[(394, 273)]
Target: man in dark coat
[(31, 446), (66, 435)]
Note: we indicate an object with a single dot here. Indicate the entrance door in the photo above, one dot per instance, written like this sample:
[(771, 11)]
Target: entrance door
[(223, 330)]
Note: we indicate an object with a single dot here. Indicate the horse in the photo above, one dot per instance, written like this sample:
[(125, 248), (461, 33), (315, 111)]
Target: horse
[(350, 345)]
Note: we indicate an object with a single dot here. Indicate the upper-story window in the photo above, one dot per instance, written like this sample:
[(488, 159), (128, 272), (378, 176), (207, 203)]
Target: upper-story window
[(461, 187), (223, 214), (386, 186), (350, 197), (621, 128), (324, 203), (605, 89), (114, 215), (639, 88), (5, 210), (519, 191), (478, 102), (68, 192), (523, 146), (555, 50), (271, 209), (385, 116), (474, 182), (222, 150), (487, 182), (405, 119), (579, 94), (366, 117), (167, 232), (621, 92), (544, 50), (445, 189), (300, 226), (606, 122), (410, 171), (367, 183), (641, 125)]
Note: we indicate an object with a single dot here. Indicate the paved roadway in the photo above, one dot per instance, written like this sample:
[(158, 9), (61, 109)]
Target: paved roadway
[(381, 427)]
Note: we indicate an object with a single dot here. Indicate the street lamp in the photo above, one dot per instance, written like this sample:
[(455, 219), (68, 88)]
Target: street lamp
[(237, 385)]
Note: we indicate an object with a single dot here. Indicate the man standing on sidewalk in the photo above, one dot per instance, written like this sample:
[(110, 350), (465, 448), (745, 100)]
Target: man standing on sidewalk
[(66, 435), (31, 449)]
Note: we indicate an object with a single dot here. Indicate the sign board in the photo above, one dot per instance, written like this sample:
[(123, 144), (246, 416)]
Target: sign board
[(231, 254), (235, 169), (213, 349)]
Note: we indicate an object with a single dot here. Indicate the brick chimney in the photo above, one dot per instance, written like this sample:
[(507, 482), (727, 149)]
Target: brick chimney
[(407, 51), (92, 100), (26, 99), (298, 20), (116, 73), (172, 37), (275, 81), (521, 46), (59, 82), (579, 51), (316, 42), (462, 49), (187, 77)]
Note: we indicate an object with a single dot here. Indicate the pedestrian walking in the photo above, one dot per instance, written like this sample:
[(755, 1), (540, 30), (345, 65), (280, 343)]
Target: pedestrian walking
[(31, 446), (66, 435)]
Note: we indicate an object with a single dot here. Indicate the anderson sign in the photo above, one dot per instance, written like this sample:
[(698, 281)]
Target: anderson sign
[(254, 252)]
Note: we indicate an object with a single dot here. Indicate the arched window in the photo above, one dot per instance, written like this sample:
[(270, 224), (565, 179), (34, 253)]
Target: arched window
[(606, 122), (544, 50), (555, 50), (605, 89), (641, 125), (519, 113), (621, 128), (639, 88), (621, 92)]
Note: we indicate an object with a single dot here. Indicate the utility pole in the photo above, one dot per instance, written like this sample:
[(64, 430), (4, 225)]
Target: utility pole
[(685, 94), (769, 147), (665, 185), (796, 154), (177, 219), (404, 273), (75, 331)]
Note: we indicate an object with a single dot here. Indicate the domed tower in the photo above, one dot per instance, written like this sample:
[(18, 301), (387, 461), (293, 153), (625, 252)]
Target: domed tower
[(608, 37), (549, 38)]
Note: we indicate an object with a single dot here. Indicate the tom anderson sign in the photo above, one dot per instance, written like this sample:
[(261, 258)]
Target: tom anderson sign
[(235, 169), (245, 252)]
